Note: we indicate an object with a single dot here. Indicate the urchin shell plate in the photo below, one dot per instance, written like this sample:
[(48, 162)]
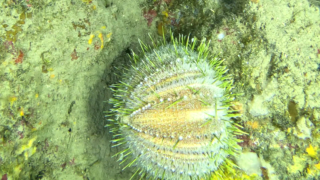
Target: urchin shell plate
[(172, 112)]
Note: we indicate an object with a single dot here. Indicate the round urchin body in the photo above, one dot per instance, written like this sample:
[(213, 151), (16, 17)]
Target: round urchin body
[(172, 112)]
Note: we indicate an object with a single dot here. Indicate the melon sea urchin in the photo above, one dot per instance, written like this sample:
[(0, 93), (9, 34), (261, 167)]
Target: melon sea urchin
[(171, 112)]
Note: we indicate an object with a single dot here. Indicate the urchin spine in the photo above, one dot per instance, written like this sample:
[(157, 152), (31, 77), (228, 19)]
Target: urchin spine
[(169, 71)]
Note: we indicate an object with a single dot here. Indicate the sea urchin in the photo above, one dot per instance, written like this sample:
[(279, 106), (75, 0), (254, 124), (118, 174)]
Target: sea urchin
[(171, 112)]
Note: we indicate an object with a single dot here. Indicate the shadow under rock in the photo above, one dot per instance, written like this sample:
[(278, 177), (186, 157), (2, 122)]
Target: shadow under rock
[(97, 105)]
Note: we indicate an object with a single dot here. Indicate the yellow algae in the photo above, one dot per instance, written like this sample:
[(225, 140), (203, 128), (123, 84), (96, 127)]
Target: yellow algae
[(26, 155), (87, 1), (165, 13), (90, 39), (21, 113), (34, 150), (26, 146), (109, 36), (298, 165), (228, 176), (17, 169), (12, 99), (30, 152), (311, 151), (312, 171), (253, 124), (101, 39)]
